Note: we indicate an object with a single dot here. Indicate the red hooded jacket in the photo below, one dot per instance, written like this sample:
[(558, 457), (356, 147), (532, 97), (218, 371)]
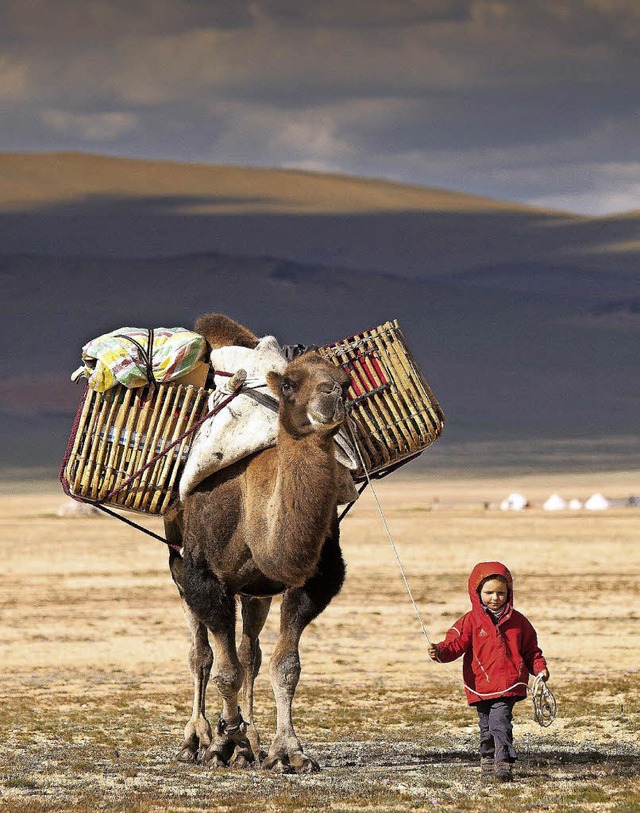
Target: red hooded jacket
[(497, 656)]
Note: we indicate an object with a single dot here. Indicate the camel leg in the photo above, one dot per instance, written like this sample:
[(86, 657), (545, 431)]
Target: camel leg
[(300, 606), (197, 732), (214, 606), (254, 614)]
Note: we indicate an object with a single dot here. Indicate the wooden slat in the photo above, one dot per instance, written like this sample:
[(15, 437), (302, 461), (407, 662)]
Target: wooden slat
[(98, 449), (392, 397), (111, 466), (168, 463), (144, 406), (196, 407), (410, 399), (167, 396), (77, 457)]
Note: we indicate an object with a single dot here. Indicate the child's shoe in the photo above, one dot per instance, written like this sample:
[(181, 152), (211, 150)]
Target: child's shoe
[(487, 765), (504, 772)]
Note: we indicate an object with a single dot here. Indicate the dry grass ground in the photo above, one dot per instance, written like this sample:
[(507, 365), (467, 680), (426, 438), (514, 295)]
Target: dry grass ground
[(95, 688)]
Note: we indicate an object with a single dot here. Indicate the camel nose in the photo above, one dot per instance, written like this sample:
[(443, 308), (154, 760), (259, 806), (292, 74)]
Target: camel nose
[(331, 388)]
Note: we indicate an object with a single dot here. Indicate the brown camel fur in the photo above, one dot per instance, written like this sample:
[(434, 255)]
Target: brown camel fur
[(263, 526)]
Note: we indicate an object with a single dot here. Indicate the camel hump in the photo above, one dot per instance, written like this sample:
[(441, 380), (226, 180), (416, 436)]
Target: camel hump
[(221, 331)]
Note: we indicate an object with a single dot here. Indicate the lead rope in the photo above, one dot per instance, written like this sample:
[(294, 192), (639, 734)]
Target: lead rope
[(544, 702)]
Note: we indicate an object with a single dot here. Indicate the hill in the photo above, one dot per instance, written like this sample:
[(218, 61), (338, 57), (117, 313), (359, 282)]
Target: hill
[(524, 321), (83, 205)]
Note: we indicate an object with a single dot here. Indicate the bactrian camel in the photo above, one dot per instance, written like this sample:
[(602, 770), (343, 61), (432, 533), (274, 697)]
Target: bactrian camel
[(263, 526)]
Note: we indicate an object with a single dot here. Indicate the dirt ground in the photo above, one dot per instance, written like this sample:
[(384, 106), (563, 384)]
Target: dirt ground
[(96, 692)]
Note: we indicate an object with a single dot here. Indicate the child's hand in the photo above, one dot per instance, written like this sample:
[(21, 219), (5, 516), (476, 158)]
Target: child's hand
[(434, 652), (544, 675)]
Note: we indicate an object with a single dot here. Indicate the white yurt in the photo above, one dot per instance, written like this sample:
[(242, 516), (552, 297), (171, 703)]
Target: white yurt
[(575, 504), (555, 503), (514, 502), (597, 502)]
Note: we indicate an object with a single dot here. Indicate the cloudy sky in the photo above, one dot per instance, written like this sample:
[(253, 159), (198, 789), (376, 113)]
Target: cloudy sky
[(528, 100)]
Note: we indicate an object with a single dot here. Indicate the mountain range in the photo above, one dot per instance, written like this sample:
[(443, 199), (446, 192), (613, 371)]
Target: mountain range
[(524, 321)]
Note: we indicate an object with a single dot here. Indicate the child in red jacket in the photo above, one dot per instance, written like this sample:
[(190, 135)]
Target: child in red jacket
[(500, 649)]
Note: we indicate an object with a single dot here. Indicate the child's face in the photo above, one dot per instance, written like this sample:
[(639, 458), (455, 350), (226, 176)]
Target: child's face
[(493, 594)]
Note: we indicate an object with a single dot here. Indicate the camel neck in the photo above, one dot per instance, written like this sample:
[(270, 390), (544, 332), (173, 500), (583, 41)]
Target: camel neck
[(306, 470), (304, 501)]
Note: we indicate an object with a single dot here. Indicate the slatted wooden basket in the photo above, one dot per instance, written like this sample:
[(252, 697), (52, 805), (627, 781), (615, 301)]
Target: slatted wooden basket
[(394, 414), (117, 435)]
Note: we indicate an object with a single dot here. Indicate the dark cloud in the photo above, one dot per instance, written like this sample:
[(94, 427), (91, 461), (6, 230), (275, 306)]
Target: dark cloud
[(363, 14), (98, 23), (491, 96)]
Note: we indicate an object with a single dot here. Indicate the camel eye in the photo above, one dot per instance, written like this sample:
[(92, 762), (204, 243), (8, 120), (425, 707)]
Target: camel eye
[(286, 387)]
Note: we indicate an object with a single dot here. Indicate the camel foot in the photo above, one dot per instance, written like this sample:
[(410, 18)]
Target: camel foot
[(241, 759), (290, 763), (276, 765), (214, 759), (186, 755), (230, 747), (303, 764), (197, 739)]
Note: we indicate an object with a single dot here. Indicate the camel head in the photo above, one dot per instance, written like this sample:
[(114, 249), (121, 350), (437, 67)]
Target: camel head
[(312, 393)]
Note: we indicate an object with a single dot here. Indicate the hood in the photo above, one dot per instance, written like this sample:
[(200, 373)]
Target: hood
[(482, 571)]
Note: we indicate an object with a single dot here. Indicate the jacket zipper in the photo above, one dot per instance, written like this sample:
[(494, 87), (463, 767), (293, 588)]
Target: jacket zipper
[(481, 667)]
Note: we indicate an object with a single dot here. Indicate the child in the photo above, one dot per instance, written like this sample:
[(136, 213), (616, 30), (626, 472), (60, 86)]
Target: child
[(500, 649)]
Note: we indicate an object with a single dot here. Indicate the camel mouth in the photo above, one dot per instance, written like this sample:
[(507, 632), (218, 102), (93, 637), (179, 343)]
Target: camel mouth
[(327, 415), (339, 413)]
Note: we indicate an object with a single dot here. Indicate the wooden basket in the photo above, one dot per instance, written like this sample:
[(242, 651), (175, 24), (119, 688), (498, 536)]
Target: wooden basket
[(119, 432), (394, 414)]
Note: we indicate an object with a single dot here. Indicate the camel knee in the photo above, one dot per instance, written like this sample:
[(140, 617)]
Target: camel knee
[(285, 670), (229, 679)]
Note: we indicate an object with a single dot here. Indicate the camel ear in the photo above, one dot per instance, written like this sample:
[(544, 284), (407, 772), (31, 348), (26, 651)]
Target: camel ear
[(274, 380)]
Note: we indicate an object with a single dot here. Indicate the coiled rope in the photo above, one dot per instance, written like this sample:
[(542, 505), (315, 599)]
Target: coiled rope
[(544, 701)]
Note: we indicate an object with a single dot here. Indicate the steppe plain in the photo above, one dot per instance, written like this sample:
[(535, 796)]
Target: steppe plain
[(95, 687)]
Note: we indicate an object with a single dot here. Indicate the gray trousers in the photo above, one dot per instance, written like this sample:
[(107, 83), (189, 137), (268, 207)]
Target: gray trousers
[(496, 729)]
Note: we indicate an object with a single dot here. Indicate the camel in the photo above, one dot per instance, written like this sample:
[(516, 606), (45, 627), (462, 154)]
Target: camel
[(263, 526)]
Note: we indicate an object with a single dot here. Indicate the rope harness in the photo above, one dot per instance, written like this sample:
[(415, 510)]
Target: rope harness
[(544, 702)]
